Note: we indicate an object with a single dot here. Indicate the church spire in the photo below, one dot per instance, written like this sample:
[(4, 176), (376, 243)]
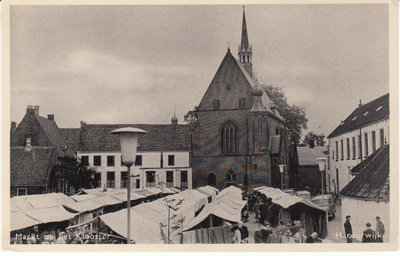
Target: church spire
[(244, 44), (245, 50)]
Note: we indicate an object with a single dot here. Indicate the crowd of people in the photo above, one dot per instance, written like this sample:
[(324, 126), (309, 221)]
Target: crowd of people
[(284, 234)]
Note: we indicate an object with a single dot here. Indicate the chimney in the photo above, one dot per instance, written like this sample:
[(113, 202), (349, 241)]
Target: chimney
[(50, 117), (29, 109), (360, 104), (13, 126), (36, 110), (28, 146)]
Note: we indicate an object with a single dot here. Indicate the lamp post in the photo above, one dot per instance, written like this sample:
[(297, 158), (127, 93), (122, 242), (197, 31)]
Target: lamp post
[(128, 140), (321, 163), (281, 168)]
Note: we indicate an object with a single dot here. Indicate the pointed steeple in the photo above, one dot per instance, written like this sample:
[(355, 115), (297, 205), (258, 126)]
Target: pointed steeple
[(245, 50), (245, 39)]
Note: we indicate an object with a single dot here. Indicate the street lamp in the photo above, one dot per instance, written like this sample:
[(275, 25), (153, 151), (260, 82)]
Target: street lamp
[(281, 168), (128, 140), (321, 163)]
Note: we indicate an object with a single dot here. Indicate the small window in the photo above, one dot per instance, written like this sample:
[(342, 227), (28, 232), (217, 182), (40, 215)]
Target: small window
[(354, 118), (97, 180), (22, 191), (138, 160), (373, 137), (228, 87), (366, 144), (111, 179), (150, 179), (123, 179), (170, 179), (382, 137), (97, 160), (366, 113), (242, 103), (137, 183), (379, 108), (171, 160), (216, 105), (255, 166), (110, 161), (85, 160), (276, 131), (184, 179)]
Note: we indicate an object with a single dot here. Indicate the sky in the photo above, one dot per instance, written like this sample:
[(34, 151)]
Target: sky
[(135, 64)]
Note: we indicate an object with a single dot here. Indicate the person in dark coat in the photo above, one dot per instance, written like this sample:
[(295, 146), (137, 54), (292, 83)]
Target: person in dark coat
[(380, 230), (369, 235), (347, 229), (244, 233)]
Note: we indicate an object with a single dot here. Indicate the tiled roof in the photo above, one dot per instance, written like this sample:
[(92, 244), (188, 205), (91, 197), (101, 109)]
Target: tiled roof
[(31, 168), (308, 156), (365, 114), (71, 138), (160, 137), (52, 131), (372, 181)]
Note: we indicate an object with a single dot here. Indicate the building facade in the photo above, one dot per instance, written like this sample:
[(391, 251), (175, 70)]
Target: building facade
[(309, 173), (364, 131), (368, 194), (238, 137), (163, 155), (35, 145)]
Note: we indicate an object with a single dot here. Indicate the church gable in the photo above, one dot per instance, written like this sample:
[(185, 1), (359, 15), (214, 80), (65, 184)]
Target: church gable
[(229, 86)]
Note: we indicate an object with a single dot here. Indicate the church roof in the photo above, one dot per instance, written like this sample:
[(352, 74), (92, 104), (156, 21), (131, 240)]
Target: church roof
[(232, 71), (372, 180), (368, 113), (160, 137)]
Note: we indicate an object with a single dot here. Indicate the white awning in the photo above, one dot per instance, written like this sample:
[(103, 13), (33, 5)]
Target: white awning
[(143, 231)]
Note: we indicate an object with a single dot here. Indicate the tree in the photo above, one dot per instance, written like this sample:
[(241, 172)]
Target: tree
[(294, 116), (191, 118), (312, 139), (71, 172)]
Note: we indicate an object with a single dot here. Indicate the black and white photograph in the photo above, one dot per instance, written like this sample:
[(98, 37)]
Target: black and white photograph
[(182, 124)]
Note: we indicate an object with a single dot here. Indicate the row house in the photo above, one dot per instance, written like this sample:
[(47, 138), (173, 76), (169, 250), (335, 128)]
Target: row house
[(163, 155), (364, 131)]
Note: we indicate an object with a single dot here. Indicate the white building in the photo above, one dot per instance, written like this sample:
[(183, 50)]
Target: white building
[(368, 194), (163, 155), (364, 131)]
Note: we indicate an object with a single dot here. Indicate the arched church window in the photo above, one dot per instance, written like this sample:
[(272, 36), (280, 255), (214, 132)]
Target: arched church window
[(228, 135), (230, 178), (212, 179)]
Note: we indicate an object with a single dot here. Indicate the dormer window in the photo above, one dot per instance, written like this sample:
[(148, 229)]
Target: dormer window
[(354, 118), (379, 108), (366, 113)]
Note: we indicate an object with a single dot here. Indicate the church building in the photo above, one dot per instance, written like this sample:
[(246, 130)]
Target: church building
[(238, 137)]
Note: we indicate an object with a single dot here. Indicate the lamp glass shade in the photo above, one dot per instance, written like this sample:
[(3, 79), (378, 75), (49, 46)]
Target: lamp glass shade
[(321, 163), (281, 167), (128, 140), (128, 147)]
